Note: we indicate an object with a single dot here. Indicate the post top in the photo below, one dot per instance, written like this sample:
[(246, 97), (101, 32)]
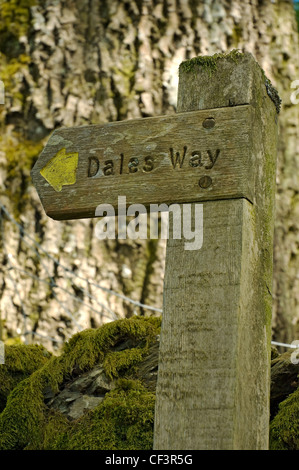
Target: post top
[(232, 74), (210, 62)]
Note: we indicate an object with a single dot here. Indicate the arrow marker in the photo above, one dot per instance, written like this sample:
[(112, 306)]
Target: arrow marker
[(61, 169)]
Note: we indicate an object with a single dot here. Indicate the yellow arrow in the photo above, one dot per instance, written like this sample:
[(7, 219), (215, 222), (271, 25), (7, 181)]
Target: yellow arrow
[(61, 169)]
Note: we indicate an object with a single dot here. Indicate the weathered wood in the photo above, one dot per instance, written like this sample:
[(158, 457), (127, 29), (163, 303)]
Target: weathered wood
[(201, 155), (214, 370), (214, 365)]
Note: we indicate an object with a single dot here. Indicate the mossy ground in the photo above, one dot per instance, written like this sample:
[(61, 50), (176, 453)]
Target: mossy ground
[(124, 420)]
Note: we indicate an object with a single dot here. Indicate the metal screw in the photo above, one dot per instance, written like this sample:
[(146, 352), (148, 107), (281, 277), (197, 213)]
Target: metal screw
[(205, 182), (209, 123)]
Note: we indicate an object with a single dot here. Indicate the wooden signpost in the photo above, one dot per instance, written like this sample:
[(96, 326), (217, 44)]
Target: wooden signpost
[(219, 149), (166, 159)]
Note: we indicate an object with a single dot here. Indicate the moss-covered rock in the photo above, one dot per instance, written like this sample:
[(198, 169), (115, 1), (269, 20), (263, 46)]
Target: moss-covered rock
[(114, 369), (123, 420), (20, 362), (284, 379), (284, 428)]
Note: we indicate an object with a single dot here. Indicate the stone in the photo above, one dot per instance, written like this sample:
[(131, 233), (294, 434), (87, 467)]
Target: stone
[(82, 405), (82, 394), (284, 379)]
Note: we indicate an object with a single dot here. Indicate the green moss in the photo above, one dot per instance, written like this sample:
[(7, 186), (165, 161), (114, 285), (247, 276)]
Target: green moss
[(209, 62), (284, 428), (8, 71), (55, 434), (15, 16), (124, 421), (89, 347), (15, 21), (118, 361), (237, 34), (26, 422), (20, 362), (20, 153)]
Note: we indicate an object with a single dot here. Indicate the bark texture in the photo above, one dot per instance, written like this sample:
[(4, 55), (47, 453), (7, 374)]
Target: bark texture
[(66, 63)]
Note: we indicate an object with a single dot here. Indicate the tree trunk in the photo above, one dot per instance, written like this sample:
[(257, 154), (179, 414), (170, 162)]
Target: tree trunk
[(77, 62)]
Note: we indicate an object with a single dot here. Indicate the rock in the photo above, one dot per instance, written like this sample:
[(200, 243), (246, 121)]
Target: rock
[(132, 392), (83, 404), (101, 385), (274, 352), (284, 379), (82, 394)]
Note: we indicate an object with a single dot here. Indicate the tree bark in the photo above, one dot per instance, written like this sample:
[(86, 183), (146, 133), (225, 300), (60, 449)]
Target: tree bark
[(80, 62)]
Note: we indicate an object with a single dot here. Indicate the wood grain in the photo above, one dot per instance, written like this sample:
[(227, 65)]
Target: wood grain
[(196, 156), (213, 383)]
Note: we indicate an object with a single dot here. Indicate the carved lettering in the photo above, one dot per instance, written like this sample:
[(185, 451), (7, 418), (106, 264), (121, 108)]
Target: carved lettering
[(212, 158), (93, 167), (121, 163), (133, 165), (149, 164), (195, 159), (178, 157), (108, 168)]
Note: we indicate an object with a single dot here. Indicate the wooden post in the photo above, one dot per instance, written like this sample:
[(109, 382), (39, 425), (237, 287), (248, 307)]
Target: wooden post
[(214, 365), (219, 150)]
